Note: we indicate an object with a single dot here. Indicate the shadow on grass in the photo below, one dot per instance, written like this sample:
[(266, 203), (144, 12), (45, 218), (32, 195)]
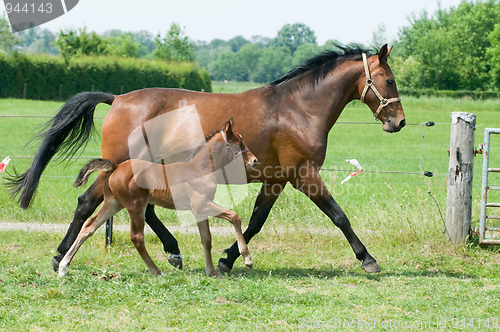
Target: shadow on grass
[(300, 273)]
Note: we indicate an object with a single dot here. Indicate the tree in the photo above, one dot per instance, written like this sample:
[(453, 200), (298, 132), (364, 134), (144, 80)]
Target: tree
[(379, 37), (236, 43), (260, 41), (304, 52), (38, 41), (229, 66), (7, 39), (273, 63), (175, 46), (123, 46), (249, 55), (77, 43), (493, 54), (451, 46), (292, 36)]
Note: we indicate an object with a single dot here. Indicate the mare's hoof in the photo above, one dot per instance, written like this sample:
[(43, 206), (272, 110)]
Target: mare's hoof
[(371, 267), (175, 261), (55, 262), (250, 266), (223, 267)]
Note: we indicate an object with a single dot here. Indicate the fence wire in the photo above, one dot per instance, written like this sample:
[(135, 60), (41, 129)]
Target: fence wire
[(327, 169)]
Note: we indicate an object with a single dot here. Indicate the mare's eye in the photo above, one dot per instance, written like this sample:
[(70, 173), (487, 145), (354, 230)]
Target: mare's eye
[(390, 82)]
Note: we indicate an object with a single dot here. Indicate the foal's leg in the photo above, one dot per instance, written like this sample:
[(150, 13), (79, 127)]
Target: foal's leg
[(136, 213), (213, 209), (170, 244), (206, 241), (313, 187), (108, 209), (87, 203), (268, 194)]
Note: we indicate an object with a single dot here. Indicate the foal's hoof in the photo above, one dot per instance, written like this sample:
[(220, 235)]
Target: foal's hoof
[(55, 262), (223, 267), (175, 261), (371, 267)]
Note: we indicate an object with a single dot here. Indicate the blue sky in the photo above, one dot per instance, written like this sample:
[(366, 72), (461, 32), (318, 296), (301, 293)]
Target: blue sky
[(346, 21)]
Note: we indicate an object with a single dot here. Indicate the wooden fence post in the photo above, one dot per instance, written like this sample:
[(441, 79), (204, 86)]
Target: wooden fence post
[(459, 201)]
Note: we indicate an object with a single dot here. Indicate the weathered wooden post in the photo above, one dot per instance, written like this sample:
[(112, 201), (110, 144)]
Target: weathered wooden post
[(459, 202)]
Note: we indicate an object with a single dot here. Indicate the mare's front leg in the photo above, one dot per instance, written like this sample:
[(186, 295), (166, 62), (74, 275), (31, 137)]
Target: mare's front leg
[(107, 210), (206, 241), (87, 203), (268, 194), (313, 187)]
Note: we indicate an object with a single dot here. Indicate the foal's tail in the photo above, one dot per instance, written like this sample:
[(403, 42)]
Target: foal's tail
[(67, 132), (98, 164)]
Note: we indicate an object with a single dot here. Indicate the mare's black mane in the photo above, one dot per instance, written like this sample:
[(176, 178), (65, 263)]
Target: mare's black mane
[(320, 65)]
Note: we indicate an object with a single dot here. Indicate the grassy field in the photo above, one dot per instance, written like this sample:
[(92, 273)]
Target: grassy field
[(306, 277)]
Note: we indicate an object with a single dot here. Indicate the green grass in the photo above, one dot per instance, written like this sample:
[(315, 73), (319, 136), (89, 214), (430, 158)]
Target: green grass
[(298, 279), (307, 277)]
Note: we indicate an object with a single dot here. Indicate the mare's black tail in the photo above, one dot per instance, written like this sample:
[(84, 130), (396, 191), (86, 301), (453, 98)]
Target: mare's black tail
[(98, 164), (67, 132)]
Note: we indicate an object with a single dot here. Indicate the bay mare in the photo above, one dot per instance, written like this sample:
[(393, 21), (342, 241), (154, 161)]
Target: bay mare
[(185, 185), (285, 124)]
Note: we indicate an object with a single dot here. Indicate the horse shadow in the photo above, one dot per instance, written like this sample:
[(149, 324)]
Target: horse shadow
[(301, 273)]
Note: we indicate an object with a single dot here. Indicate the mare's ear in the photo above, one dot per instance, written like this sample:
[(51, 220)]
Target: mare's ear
[(228, 127), (384, 53)]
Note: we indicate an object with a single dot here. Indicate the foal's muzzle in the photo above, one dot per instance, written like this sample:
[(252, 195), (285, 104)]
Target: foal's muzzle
[(252, 162)]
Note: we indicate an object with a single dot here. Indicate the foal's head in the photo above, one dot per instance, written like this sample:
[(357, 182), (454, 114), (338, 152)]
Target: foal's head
[(377, 89), (228, 145)]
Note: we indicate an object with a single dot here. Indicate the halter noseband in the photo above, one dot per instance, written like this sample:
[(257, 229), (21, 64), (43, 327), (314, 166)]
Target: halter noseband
[(369, 84), (229, 147)]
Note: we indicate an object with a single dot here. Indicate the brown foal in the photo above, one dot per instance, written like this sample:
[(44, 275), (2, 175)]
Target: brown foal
[(191, 185)]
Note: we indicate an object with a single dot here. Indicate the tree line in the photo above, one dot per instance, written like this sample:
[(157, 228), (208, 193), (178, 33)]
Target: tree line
[(452, 49)]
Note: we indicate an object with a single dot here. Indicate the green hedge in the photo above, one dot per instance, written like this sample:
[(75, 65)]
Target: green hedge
[(476, 94), (50, 78)]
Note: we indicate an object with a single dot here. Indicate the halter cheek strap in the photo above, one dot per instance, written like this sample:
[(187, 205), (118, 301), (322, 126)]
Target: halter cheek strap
[(369, 85), (230, 148)]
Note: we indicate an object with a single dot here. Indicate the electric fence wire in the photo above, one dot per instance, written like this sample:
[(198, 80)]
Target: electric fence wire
[(421, 158)]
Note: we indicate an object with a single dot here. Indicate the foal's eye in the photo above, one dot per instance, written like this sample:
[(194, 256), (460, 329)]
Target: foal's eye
[(390, 82)]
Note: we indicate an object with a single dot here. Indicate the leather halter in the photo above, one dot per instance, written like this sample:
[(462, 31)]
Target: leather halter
[(369, 84), (230, 148)]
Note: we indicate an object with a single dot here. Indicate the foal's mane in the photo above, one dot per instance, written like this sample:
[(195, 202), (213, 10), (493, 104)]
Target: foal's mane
[(202, 144), (320, 65)]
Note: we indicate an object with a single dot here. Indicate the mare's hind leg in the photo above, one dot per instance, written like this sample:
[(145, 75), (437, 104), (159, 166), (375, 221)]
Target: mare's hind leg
[(136, 213), (108, 209), (87, 203), (206, 241)]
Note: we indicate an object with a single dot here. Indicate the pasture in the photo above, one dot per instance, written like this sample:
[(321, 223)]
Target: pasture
[(305, 274)]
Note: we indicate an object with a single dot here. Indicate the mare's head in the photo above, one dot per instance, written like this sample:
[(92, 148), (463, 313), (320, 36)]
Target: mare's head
[(232, 146), (378, 90)]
